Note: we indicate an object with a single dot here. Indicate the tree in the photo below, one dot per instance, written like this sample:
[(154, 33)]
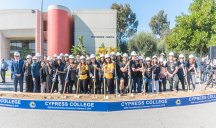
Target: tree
[(126, 22), (159, 24), (195, 31), (79, 49), (24, 52), (143, 43)]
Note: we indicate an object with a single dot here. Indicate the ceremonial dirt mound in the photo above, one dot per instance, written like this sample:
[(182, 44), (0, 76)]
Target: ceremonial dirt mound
[(100, 97)]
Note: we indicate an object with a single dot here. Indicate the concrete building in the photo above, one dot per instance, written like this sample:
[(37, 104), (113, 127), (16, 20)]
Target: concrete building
[(61, 29)]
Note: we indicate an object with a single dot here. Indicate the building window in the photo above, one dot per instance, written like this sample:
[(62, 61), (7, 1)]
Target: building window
[(17, 45)]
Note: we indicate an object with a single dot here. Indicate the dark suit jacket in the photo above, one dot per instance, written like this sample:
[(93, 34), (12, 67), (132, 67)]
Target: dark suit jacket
[(17, 67)]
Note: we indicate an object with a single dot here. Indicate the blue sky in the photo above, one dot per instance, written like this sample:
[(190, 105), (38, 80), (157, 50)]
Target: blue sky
[(144, 9)]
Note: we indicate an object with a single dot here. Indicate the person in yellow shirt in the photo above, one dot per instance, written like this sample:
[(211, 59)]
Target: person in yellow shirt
[(82, 72), (108, 69)]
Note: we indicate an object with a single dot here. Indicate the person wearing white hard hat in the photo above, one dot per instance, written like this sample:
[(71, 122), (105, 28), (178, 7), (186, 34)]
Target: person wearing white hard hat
[(140, 66), (34, 58), (83, 75), (50, 74), (134, 69), (118, 57), (72, 71), (162, 76), (77, 61), (49, 58), (61, 74), (61, 54), (118, 54), (28, 57), (101, 73), (27, 74), (45, 58), (36, 65), (123, 74), (101, 59), (155, 72), (55, 56), (181, 71), (17, 71), (43, 84), (66, 55), (113, 56), (191, 71), (148, 75), (102, 55), (172, 69), (94, 69), (88, 60), (37, 55), (66, 58), (108, 68)]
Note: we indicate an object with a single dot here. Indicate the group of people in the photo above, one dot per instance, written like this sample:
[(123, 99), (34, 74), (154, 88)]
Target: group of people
[(111, 73)]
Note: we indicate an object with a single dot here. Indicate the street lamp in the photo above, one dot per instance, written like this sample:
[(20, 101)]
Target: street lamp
[(41, 27)]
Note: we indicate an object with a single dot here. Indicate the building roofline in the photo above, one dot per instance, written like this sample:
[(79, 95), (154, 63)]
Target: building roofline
[(50, 7)]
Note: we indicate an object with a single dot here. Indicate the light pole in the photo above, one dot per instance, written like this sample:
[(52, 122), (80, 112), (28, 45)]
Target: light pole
[(41, 27)]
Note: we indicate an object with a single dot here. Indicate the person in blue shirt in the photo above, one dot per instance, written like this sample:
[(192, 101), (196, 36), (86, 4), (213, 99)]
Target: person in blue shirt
[(17, 71), (35, 70), (4, 68)]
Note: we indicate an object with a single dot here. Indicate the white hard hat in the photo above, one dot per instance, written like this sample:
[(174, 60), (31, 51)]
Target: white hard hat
[(37, 55), (66, 55), (71, 57), (181, 56), (133, 53), (162, 54), (118, 54), (82, 57), (203, 59), (49, 58), (191, 56), (59, 58), (125, 55), (34, 57), (61, 54), (55, 55), (113, 53), (16, 54), (148, 58), (161, 59), (92, 56), (154, 57), (107, 56), (102, 55), (87, 58), (171, 54), (28, 56), (140, 58)]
